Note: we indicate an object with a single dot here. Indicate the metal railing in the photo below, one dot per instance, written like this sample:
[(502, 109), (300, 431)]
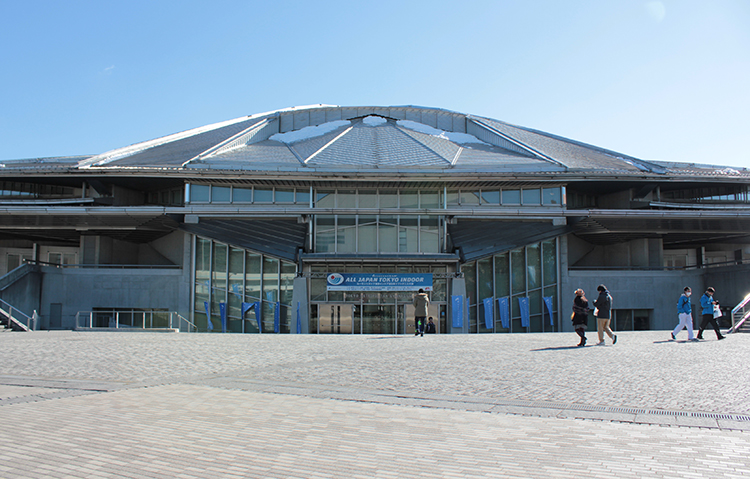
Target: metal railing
[(17, 317), (660, 268), (133, 319), (105, 266), (740, 314)]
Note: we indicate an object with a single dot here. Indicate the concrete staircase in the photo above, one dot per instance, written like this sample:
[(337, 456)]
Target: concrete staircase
[(7, 325), (13, 319)]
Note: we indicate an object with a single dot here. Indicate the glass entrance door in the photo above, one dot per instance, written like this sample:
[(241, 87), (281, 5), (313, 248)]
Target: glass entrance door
[(335, 318), (378, 319), (394, 317)]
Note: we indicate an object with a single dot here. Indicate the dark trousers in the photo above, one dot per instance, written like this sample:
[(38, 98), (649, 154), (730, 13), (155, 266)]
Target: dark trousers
[(709, 318), (419, 324)]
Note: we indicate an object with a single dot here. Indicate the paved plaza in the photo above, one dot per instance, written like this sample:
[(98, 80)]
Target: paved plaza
[(155, 405)]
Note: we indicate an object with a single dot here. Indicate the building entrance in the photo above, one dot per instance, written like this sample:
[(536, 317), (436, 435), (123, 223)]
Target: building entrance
[(363, 318), (373, 310)]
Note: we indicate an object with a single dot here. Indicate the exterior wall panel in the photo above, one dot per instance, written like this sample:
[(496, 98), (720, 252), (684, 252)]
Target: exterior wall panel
[(317, 117), (286, 122), (459, 123), (301, 119), (347, 113), (333, 114), (445, 121), (429, 118)]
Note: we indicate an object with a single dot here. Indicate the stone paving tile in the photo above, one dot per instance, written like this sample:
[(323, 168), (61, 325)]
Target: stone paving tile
[(642, 370), (211, 405)]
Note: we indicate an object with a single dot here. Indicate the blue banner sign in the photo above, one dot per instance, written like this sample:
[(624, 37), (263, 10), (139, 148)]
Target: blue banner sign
[(457, 310), (379, 281)]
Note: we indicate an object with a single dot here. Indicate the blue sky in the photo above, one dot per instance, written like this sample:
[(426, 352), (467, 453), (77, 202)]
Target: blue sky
[(653, 79)]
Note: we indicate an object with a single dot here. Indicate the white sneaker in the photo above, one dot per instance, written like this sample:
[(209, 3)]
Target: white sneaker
[(600, 343)]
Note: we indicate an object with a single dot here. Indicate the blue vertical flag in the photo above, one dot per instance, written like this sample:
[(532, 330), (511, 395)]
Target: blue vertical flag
[(209, 326), (523, 304), (489, 313), (548, 303), (503, 307), (299, 320), (256, 306), (223, 314), (277, 317), (457, 311)]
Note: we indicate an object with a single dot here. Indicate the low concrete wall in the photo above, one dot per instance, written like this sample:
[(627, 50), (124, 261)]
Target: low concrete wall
[(82, 289), (657, 290)]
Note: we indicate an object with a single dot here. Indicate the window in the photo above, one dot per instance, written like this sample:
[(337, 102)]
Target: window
[(532, 196), (491, 197), (528, 274), (263, 195), (511, 197), (242, 195), (377, 234), (552, 196), (630, 319), (230, 276), (62, 258), (199, 193), (220, 194)]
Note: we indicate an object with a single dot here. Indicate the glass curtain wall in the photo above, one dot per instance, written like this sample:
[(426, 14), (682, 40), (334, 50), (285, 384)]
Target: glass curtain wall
[(406, 232), (228, 276), (528, 273)]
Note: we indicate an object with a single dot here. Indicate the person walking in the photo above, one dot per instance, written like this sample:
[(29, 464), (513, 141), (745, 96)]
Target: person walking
[(421, 301), (430, 329), (707, 303), (685, 314), (603, 306), (580, 315)]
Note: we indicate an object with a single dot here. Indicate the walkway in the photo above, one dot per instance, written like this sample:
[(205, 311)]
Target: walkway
[(211, 405)]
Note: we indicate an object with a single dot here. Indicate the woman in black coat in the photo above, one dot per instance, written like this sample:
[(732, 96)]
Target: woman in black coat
[(580, 315)]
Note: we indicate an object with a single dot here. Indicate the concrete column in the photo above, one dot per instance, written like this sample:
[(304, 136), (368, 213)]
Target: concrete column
[(300, 295)]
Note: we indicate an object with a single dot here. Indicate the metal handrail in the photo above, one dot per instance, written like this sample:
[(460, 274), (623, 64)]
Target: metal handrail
[(191, 326), (9, 310), (659, 268), (106, 266), (738, 324), (741, 309), (742, 304), (85, 319)]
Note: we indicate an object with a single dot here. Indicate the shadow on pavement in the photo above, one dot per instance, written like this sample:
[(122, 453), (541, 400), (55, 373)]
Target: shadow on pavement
[(560, 348)]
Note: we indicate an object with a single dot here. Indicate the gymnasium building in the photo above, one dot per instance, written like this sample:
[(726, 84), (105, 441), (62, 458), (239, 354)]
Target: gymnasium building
[(328, 219)]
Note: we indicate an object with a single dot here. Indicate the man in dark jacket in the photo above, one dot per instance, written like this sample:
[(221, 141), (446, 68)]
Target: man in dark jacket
[(603, 306)]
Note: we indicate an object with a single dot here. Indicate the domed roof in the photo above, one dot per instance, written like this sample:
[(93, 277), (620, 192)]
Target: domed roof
[(402, 139)]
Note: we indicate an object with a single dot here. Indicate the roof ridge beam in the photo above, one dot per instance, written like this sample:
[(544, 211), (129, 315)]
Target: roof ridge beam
[(320, 150), (451, 161), (232, 139), (515, 142)]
